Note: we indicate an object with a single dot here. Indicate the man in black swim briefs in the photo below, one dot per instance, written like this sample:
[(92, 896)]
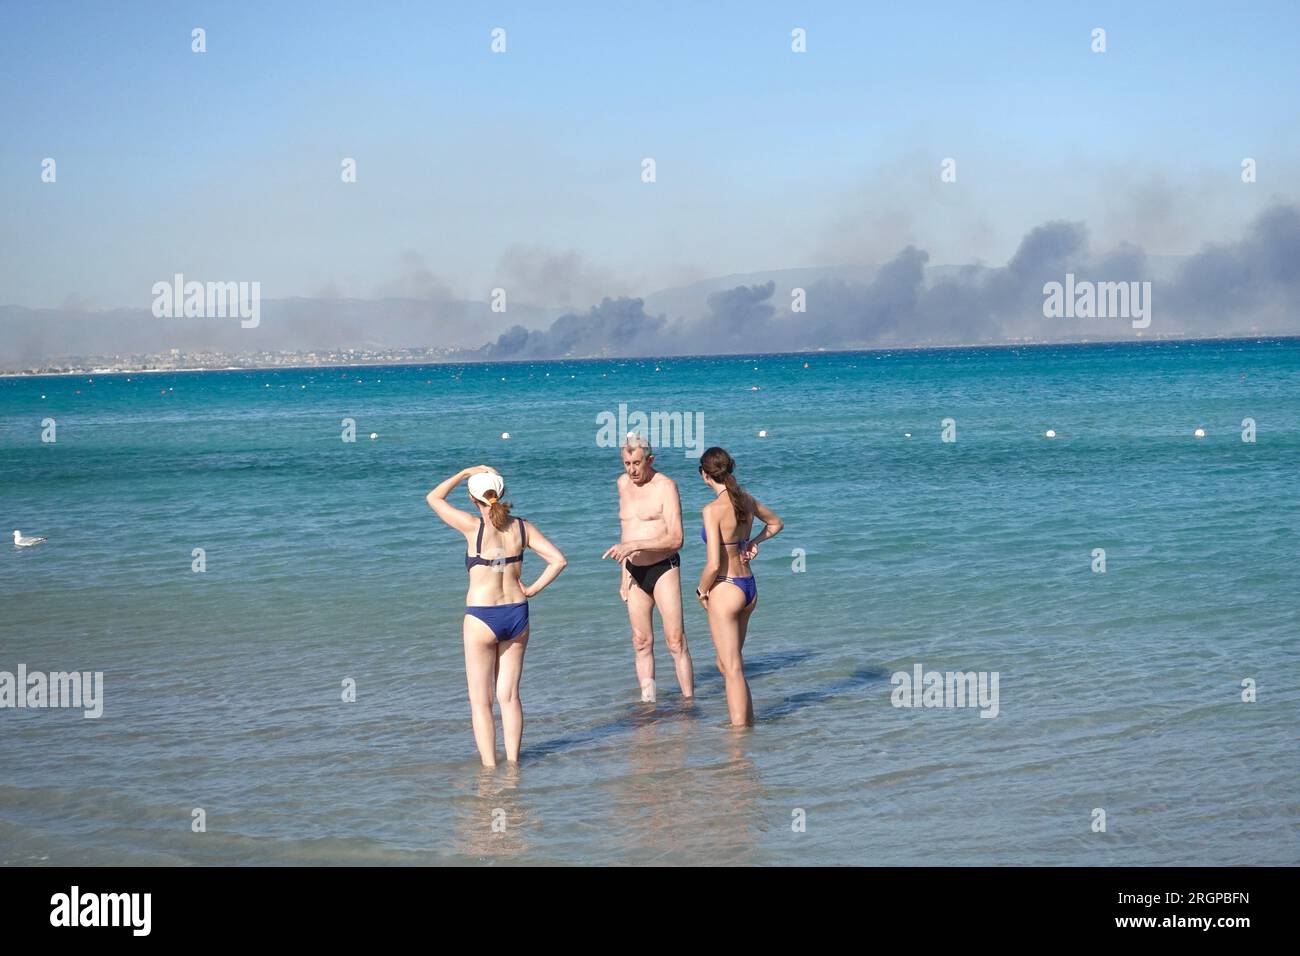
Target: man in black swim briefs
[(650, 510)]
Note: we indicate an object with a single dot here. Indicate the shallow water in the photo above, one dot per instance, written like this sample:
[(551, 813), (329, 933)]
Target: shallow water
[(1120, 691)]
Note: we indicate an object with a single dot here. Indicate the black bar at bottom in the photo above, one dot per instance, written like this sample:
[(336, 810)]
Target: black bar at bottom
[(333, 905)]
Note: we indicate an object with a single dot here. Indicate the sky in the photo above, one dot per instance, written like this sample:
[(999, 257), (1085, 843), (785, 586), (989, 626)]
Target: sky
[(523, 169)]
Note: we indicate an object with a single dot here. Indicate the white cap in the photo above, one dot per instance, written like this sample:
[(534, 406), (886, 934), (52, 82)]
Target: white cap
[(481, 481)]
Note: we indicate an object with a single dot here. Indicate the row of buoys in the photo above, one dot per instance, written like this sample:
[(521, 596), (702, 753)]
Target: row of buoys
[(1050, 433)]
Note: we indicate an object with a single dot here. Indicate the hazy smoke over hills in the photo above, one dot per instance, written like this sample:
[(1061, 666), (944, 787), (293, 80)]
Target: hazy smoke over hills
[(1250, 284), (1241, 287)]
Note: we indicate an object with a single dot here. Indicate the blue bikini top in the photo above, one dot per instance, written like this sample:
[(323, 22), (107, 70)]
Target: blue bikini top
[(475, 560), (726, 544)]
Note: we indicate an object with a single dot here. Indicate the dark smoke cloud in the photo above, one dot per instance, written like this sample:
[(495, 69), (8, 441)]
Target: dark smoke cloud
[(615, 327), (1234, 287), (1257, 276)]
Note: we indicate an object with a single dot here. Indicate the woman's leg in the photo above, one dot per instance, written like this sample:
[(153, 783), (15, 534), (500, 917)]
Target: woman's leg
[(480, 668), (510, 667), (726, 603), (743, 627), (744, 621)]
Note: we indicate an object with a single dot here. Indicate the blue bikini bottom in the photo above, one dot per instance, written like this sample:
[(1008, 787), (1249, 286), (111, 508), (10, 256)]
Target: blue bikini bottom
[(748, 585), (507, 621)]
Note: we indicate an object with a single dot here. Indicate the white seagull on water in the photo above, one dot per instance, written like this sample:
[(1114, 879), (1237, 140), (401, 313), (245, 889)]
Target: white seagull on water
[(21, 542)]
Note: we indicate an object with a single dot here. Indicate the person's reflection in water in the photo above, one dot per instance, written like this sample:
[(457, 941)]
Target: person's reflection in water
[(690, 794), (493, 823)]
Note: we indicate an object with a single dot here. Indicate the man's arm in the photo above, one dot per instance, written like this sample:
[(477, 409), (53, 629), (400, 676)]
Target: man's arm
[(672, 517), (624, 580), (624, 576)]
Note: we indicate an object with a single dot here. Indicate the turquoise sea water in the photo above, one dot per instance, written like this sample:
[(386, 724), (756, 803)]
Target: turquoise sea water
[(1118, 690)]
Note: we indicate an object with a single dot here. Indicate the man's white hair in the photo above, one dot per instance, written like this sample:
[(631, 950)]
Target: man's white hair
[(635, 440)]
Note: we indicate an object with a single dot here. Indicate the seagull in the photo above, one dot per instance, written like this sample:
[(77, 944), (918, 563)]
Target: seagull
[(21, 542)]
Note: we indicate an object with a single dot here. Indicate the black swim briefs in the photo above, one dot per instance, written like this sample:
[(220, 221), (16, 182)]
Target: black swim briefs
[(647, 575)]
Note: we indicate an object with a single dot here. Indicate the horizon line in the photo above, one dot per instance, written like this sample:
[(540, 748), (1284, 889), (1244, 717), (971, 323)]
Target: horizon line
[(1258, 337)]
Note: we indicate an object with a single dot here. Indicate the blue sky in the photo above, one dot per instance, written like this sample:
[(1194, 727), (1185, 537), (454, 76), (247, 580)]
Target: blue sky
[(226, 164)]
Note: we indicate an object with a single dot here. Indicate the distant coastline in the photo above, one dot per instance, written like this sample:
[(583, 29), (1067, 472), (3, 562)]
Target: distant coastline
[(294, 362)]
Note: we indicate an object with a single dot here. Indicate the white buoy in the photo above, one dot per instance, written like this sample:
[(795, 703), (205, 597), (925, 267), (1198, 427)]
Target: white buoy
[(907, 434), (1199, 433), (374, 435), (1050, 433), (762, 434), (505, 435)]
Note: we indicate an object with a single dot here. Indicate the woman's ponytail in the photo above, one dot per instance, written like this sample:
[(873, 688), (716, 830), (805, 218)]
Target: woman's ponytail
[(498, 511), (718, 465)]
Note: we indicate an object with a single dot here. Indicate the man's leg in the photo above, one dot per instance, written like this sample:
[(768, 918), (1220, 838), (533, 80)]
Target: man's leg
[(639, 608), (668, 598)]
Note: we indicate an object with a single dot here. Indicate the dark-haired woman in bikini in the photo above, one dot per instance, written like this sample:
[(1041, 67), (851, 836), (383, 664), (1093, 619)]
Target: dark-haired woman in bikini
[(727, 590)]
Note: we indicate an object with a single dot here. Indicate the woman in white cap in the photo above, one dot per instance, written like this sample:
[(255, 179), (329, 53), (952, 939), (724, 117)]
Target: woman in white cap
[(496, 607)]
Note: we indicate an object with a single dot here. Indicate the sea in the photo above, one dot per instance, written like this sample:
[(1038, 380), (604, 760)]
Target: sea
[(274, 613)]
